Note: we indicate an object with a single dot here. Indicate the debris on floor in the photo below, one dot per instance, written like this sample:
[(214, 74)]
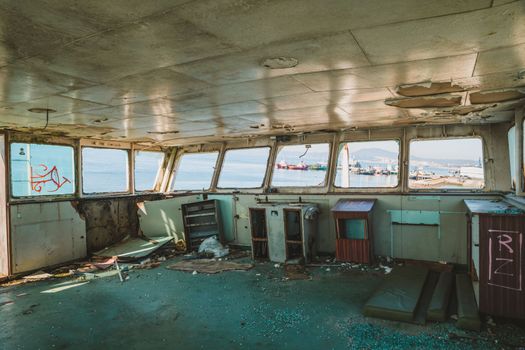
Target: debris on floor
[(30, 309), (210, 266), (212, 245), (296, 272), (135, 247), (38, 276)]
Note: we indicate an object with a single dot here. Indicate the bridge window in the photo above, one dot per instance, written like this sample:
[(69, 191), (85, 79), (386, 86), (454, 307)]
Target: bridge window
[(104, 170), (301, 165), (195, 171), (244, 168), (368, 164), (446, 164), (42, 170), (147, 169)]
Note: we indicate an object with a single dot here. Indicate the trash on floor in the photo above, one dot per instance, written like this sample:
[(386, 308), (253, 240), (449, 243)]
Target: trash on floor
[(209, 266), (38, 276), (212, 245), (134, 247), (296, 272)]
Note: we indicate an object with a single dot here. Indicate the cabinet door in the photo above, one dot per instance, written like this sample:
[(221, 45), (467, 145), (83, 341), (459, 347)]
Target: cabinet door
[(502, 265), (276, 237)]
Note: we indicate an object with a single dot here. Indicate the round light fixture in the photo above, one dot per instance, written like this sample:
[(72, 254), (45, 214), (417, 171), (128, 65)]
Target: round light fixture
[(280, 62), (41, 110)]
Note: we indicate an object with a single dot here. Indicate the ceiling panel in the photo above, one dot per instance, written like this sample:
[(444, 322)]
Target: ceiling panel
[(23, 82), (240, 92), (61, 105), (140, 87), (252, 23), (390, 74), (501, 60), (152, 43), (192, 71), (445, 36), (81, 18), (324, 53), (223, 111)]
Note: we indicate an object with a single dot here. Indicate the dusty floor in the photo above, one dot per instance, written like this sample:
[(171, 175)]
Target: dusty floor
[(255, 309)]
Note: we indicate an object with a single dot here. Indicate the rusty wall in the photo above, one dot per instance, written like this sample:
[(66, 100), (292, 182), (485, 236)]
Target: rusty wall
[(109, 220)]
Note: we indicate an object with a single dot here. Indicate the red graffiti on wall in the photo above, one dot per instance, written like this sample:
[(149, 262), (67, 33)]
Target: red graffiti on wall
[(47, 176)]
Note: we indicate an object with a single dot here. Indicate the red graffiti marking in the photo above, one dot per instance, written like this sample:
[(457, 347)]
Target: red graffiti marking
[(504, 259), (50, 176)]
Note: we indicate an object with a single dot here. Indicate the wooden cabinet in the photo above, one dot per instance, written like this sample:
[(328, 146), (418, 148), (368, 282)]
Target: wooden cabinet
[(354, 235), (201, 220), (284, 232), (496, 256), (259, 233)]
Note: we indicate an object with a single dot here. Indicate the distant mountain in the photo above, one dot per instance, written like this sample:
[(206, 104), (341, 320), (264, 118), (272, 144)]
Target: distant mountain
[(374, 154), (377, 154)]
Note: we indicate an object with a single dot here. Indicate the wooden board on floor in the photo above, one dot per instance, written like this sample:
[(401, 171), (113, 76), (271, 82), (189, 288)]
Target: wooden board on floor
[(134, 247), (398, 296), (210, 266)]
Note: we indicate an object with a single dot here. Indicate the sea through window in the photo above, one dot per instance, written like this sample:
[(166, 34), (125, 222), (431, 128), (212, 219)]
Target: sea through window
[(446, 163), (195, 171), (368, 164), (104, 170), (301, 165), (147, 168), (42, 170), (244, 168)]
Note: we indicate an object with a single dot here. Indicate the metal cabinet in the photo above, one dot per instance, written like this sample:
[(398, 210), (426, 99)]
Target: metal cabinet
[(496, 256), (284, 232)]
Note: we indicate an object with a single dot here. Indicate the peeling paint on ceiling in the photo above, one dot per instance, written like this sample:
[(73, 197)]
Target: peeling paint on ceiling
[(180, 72)]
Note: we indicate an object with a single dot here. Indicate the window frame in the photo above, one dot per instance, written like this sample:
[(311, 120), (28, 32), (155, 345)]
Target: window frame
[(325, 184), (48, 197), (159, 170), (513, 186), (368, 189), (129, 166), (178, 161), (446, 190), (522, 160), (268, 161)]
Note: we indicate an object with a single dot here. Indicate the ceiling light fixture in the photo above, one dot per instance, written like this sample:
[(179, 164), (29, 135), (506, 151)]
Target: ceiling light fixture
[(280, 62), (41, 110)]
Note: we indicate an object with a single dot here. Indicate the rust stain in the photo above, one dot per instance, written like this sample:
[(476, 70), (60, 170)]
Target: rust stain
[(428, 88), (492, 96), (426, 101)]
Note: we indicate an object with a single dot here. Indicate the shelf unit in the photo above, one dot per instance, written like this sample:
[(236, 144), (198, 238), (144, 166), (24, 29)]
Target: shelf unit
[(259, 233), (201, 220), (293, 232)]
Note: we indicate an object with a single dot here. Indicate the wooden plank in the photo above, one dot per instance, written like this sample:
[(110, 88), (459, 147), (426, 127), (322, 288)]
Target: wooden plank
[(437, 310), (398, 296), (468, 316)]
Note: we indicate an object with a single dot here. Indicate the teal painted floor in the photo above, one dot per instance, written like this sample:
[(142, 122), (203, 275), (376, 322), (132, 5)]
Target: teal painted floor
[(256, 309)]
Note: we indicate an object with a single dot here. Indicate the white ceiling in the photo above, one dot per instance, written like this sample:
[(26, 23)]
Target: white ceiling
[(179, 72)]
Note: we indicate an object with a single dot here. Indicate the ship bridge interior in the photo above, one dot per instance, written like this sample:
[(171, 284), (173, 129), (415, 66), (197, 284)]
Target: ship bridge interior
[(363, 161)]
